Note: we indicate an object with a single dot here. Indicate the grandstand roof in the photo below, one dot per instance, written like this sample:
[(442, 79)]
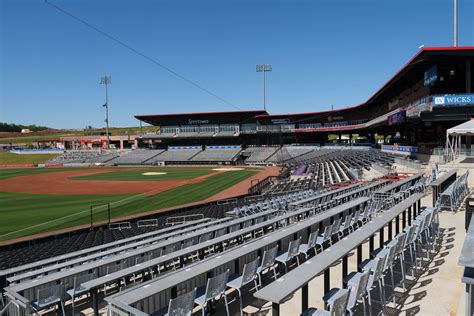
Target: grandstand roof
[(414, 68), (211, 117), (411, 72)]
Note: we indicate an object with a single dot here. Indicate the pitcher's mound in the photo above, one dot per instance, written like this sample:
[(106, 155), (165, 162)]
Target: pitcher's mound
[(153, 173), (228, 169)]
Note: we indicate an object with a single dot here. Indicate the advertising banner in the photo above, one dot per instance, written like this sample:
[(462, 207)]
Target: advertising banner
[(453, 99), (430, 76), (410, 149), (416, 110), (397, 118)]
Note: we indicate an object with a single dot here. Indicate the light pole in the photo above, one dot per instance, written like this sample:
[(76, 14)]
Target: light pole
[(106, 80), (455, 23), (264, 68)]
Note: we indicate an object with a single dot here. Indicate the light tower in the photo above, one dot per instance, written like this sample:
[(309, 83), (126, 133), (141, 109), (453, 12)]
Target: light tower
[(106, 80), (455, 23), (264, 68)]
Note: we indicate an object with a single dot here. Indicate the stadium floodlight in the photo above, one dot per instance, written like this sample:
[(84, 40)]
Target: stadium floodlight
[(455, 23), (264, 68), (106, 80)]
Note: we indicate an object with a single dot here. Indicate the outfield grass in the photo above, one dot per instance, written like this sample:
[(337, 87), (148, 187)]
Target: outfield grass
[(21, 214), (137, 174), (17, 172), (7, 158)]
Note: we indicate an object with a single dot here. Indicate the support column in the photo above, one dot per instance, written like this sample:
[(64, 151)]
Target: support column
[(381, 238), (397, 224), (304, 297), (95, 301), (390, 230), (344, 270), (327, 280), (275, 309), (409, 216), (359, 257), (371, 244)]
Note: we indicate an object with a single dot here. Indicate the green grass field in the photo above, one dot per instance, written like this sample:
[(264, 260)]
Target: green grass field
[(7, 158), (137, 174), (26, 214)]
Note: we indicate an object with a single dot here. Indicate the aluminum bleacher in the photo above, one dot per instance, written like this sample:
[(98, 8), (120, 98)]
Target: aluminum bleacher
[(259, 154), (137, 156), (218, 154), (84, 156), (177, 154), (288, 153)]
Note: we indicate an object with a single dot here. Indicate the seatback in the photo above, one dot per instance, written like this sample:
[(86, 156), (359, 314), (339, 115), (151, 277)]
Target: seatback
[(339, 305), (220, 232), (362, 286), (113, 267), (312, 239), (187, 243), (49, 294), (169, 249), (355, 216), (335, 226), (410, 235), (234, 228), (216, 285), (78, 280), (390, 256), (182, 305), (347, 221), (250, 271), (269, 257), (400, 243), (428, 218), (205, 237), (293, 248), (377, 270), (328, 232)]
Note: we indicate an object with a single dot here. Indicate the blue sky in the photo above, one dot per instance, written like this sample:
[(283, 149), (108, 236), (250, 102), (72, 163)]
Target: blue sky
[(323, 52)]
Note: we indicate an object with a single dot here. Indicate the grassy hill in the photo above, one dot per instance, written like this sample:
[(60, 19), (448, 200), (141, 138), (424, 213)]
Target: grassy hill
[(8, 158), (51, 135)]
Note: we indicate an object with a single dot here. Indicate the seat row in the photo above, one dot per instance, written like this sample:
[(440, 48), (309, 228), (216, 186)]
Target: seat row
[(409, 252)]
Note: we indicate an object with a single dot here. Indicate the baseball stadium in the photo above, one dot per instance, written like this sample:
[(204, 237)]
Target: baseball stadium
[(360, 210)]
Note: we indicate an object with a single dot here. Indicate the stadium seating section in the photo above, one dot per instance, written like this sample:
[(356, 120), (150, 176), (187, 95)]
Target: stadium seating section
[(132, 266)]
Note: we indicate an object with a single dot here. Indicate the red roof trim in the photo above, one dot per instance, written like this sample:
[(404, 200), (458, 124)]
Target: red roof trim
[(201, 113)]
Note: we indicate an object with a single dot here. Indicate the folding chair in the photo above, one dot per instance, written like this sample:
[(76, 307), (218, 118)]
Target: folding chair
[(268, 263), (49, 297), (337, 304), (249, 275), (181, 306), (290, 254), (215, 288), (77, 289), (305, 248)]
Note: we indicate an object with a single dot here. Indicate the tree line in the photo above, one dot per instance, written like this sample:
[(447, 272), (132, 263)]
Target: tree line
[(16, 128)]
